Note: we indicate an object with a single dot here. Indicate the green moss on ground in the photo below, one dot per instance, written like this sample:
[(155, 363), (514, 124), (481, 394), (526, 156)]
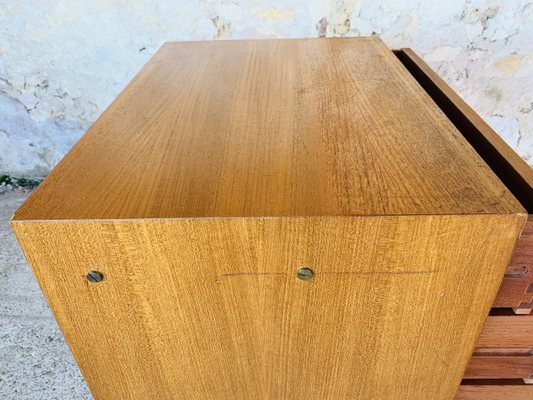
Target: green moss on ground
[(6, 180)]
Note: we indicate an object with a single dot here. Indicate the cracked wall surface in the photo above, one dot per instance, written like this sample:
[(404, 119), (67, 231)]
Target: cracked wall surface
[(63, 62)]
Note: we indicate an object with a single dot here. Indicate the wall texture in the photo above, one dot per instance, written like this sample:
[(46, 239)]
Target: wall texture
[(62, 62)]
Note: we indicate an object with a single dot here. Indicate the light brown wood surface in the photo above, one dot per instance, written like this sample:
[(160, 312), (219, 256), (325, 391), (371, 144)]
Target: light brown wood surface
[(306, 127), (211, 308), (495, 392)]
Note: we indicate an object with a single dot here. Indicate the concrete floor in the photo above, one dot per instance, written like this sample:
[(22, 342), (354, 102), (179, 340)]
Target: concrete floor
[(35, 362)]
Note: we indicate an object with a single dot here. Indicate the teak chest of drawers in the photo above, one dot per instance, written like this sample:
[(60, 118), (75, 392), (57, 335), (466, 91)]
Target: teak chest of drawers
[(279, 219)]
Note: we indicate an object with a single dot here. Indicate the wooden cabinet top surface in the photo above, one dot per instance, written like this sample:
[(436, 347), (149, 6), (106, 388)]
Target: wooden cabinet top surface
[(301, 127)]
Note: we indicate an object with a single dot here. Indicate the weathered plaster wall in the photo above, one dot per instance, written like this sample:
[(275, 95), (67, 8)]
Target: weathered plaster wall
[(63, 61)]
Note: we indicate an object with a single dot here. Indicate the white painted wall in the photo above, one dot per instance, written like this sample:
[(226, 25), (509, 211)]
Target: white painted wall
[(63, 61)]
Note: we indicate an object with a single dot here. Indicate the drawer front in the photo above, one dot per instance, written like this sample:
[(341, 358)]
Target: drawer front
[(494, 392), (516, 290)]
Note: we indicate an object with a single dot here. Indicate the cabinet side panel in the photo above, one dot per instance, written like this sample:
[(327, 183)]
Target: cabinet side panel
[(212, 308)]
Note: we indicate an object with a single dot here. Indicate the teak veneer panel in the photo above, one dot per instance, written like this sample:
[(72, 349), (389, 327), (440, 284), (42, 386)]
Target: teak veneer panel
[(306, 127), (211, 308)]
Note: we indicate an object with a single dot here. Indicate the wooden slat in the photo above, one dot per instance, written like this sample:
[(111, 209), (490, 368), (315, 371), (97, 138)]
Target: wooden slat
[(499, 367), (503, 351), (516, 290), (511, 331), (494, 392)]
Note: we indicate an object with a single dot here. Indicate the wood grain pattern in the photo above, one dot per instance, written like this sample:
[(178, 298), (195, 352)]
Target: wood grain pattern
[(306, 127), (507, 331), (211, 308), (499, 367), (494, 392)]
